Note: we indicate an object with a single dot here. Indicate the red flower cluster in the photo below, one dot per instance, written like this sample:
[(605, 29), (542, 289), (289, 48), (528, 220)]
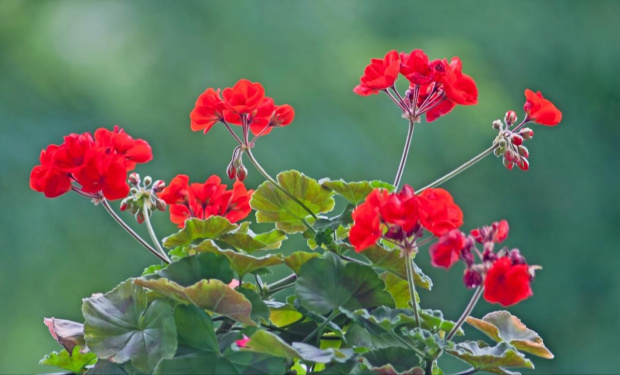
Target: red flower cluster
[(244, 102), (98, 165), (540, 110), (398, 216), (505, 275), (436, 86), (204, 200)]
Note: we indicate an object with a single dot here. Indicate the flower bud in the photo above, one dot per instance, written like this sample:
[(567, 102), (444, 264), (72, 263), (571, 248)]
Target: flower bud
[(467, 256), (134, 179), (160, 204), (147, 180), (498, 151), (508, 164), (527, 133), (242, 173), (125, 203), (510, 118), (523, 151), (140, 217), (497, 124), (472, 278), (516, 257), (502, 143), (134, 208), (517, 140), (523, 164), (395, 232), (133, 191), (231, 171), (237, 161), (158, 186)]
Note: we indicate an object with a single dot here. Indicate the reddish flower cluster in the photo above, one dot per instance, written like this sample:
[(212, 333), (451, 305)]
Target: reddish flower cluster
[(505, 275), (98, 165), (245, 104), (399, 216), (541, 110), (204, 200), (436, 86)]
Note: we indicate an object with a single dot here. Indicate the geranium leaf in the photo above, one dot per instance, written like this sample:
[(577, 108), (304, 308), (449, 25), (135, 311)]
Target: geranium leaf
[(191, 269), (250, 242), (196, 229), (398, 289), (259, 308), (391, 261), (489, 358), (212, 295), (273, 206), (354, 192), (241, 263), (298, 259), (74, 362), (326, 284), (122, 326), (105, 367), (393, 360), (503, 326), (283, 315), (67, 333)]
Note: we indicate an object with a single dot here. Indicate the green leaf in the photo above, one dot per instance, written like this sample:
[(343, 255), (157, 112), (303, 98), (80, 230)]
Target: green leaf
[(120, 325), (273, 206), (152, 269), (74, 362), (284, 315), (354, 192), (212, 295), (250, 242), (241, 263), (105, 367), (199, 352), (392, 361), (326, 284), (195, 229), (398, 289), (298, 259), (434, 321), (503, 326), (259, 308), (492, 359), (391, 261), (66, 333), (191, 269)]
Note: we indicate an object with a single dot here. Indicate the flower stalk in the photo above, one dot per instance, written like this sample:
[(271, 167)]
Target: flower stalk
[(151, 231), (466, 312), (403, 158), (410, 281)]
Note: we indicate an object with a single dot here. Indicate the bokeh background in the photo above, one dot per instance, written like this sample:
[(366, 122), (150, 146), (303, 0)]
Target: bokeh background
[(73, 66)]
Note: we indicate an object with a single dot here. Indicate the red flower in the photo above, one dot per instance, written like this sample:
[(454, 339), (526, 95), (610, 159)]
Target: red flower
[(70, 155), (401, 209), (507, 284), (133, 150), (207, 111), (414, 66), (443, 108), (438, 212), (460, 88), (366, 229), (244, 97), (205, 200), (47, 179), (541, 110), (501, 231), (103, 172), (242, 343), (262, 117), (446, 251), (379, 75)]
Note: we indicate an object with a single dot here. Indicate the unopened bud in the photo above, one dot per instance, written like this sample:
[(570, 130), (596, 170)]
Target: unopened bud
[(510, 118), (158, 186), (516, 257), (160, 204), (517, 140), (134, 208), (237, 161), (133, 191), (508, 164), (134, 179), (147, 180), (523, 151), (231, 171), (125, 203), (523, 164), (497, 124), (242, 173), (527, 133), (472, 278), (140, 217), (502, 143), (498, 151)]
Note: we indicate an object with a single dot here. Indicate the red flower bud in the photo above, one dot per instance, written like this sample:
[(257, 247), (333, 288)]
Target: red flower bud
[(231, 171), (523, 164), (242, 173), (527, 133), (510, 118), (472, 278), (517, 140)]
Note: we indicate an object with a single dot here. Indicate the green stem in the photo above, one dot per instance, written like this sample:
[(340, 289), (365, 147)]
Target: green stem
[(320, 328), (403, 158), (468, 309), (276, 286), (276, 184), (127, 228), (460, 169), (410, 281), (147, 221)]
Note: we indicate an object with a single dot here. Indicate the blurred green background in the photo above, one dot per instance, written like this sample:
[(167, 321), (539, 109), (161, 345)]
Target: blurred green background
[(73, 66)]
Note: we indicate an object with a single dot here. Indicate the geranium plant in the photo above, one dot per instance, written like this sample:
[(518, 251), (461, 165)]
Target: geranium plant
[(351, 304)]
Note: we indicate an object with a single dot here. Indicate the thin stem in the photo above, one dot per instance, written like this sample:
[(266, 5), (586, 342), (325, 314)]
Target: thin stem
[(403, 159), (154, 238), (425, 241), (460, 169), (276, 184), (468, 309), (280, 284), (232, 132), (320, 328), (399, 103), (135, 235), (410, 281)]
